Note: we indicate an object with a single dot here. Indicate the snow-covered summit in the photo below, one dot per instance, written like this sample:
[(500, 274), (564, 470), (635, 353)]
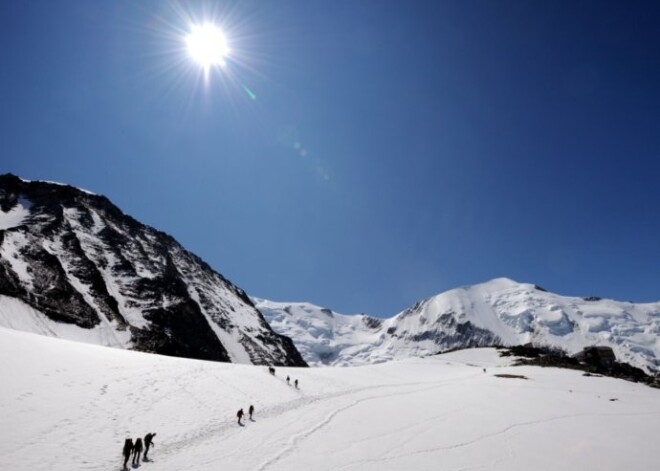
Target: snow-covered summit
[(322, 336), (497, 312), (73, 265)]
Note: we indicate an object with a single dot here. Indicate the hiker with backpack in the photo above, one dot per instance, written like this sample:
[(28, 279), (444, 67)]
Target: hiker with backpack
[(128, 449), (148, 441), (137, 452), (239, 414), (251, 411)]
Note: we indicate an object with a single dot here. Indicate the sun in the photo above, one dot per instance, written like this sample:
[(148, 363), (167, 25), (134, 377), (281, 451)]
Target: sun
[(207, 45)]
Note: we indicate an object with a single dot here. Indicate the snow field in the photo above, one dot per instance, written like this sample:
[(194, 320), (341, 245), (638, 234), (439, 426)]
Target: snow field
[(67, 405)]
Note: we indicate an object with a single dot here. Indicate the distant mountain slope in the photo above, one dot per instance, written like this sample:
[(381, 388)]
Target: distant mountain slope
[(324, 337), (499, 312), (72, 265)]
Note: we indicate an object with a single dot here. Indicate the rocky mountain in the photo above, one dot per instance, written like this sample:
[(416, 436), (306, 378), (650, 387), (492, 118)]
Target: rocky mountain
[(499, 312), (72, 265)]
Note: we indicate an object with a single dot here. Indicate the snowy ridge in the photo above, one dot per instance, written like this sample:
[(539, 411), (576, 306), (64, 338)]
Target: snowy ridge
[(57, 183), (70, 405), (72, 265), (324, 337), (498, 312)]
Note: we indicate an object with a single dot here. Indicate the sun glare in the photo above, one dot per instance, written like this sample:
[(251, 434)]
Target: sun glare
[(207, 45)]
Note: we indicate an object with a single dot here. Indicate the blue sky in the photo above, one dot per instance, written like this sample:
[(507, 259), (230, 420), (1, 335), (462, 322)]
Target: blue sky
[(358, 155)]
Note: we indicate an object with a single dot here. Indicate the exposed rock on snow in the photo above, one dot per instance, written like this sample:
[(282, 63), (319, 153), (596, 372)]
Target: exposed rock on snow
[(71, 258)]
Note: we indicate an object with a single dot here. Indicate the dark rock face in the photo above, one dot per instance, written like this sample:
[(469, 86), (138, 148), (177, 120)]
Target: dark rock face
[(372, 323), (447, 333), (77, 259), (465, 334), (593, 366)]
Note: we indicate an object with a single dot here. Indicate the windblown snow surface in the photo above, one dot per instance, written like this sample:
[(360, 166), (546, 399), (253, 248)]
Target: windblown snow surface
[(498, 312), (69, 406)]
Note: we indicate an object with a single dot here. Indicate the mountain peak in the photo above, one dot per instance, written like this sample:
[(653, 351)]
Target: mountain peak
[(497, 312), (73, 265)]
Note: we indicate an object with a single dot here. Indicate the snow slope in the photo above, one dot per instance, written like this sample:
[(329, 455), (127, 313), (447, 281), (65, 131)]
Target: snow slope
[(67, 405), (500, 311)]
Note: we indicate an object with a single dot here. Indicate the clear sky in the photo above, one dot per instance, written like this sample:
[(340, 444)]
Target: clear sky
[(360, 155)]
